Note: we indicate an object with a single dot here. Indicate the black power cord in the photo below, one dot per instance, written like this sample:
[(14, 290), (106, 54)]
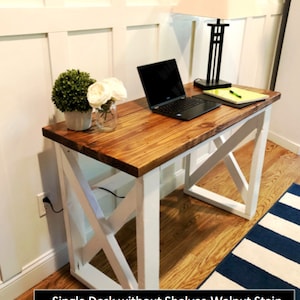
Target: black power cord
[(109, 191), (47, 201)]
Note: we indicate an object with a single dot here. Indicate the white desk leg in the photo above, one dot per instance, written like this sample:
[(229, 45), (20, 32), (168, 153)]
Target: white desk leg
[(147, 230), (81, 250), (143, 199), (257, 164), (249, 192), (67, 218)]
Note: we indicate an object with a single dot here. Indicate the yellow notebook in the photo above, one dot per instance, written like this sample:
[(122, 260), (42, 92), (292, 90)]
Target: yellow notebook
[(236, 95)]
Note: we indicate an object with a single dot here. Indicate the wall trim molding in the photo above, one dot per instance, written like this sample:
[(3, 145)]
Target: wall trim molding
[(34, 272), (284, 142)]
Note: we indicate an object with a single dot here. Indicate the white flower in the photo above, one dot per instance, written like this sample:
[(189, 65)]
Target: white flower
[(108, 89), (118, 90), (98, 94)]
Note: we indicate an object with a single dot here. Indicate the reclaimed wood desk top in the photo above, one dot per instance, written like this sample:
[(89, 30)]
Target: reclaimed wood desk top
[(144, 140)]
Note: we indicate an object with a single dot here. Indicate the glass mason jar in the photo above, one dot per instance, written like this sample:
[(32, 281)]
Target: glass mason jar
[(106, 116)]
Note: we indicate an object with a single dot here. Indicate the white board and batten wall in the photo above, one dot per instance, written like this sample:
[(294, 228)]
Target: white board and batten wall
[(41, 38), (285, 124)]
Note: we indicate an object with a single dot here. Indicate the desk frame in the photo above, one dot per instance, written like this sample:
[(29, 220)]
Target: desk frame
[(249, 191), (143, 201)]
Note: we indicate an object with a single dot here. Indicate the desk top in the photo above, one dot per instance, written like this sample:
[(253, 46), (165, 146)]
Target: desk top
[(144, 140)]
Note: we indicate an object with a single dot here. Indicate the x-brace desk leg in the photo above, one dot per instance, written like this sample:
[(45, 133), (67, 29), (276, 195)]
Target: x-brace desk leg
[(142, 201), (249, 192)]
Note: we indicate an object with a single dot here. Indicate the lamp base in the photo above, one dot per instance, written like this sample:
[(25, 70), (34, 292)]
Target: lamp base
[(204, 85)]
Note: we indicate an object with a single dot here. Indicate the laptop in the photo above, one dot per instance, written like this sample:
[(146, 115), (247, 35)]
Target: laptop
[(166, 95)]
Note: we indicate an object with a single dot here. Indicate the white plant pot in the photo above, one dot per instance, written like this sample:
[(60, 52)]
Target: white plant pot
[(77, 120)]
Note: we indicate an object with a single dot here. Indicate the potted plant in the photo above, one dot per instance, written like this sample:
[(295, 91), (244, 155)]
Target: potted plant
[(69, 94)]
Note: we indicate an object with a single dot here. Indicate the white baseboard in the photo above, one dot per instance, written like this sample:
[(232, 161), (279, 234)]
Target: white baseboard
[(172, 183), (284, 142), (34, 272)]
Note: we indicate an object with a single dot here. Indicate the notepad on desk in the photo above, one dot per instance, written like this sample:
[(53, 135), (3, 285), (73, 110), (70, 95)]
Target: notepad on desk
[(236, 95)]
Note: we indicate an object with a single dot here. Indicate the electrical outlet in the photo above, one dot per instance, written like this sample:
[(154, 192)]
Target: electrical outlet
[(41, 205)]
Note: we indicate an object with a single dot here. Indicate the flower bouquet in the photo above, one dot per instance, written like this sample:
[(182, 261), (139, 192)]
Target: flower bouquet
[(102, 96)]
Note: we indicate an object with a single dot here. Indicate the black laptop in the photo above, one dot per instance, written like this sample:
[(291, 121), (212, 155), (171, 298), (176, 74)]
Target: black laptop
[(165, 92)]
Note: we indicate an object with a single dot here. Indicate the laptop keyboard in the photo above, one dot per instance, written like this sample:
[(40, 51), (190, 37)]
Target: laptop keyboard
[(180, 105)]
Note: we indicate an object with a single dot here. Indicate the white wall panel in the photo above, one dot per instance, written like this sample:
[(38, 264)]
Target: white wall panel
[(9, 236), (97, 46), (234, 38), (268, 50), (177, 42), (141, 47), (285, 115), (25, 87), (258, 50)]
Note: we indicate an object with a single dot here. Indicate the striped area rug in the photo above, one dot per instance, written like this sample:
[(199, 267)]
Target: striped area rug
[(269, 255)]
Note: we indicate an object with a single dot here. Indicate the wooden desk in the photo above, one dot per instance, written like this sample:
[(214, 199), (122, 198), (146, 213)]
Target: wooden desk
[(139, 148)]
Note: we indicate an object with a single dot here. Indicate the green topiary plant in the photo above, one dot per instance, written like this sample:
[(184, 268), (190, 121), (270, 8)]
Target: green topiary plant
[(69, 92)]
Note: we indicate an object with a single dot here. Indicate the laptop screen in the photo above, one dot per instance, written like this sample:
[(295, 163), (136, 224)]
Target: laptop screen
[(161, 82)]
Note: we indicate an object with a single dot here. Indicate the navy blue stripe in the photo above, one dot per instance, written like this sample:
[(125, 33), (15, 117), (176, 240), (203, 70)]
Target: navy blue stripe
[(294, 189), (286, 212), (250, 276), (275, 242)]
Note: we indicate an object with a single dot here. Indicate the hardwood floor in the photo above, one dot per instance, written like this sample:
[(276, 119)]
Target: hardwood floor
[(195, 236)]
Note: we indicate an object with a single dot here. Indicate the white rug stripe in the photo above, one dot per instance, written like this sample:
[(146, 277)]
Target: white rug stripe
[(269, 261), (218, 282), (281, 226), (291, 200)]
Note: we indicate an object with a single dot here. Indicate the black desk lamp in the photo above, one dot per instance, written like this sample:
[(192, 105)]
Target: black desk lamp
[(217, 9), (213, 80)]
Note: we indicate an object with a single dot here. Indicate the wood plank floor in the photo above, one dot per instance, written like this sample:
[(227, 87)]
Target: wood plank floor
[(195, 236)]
